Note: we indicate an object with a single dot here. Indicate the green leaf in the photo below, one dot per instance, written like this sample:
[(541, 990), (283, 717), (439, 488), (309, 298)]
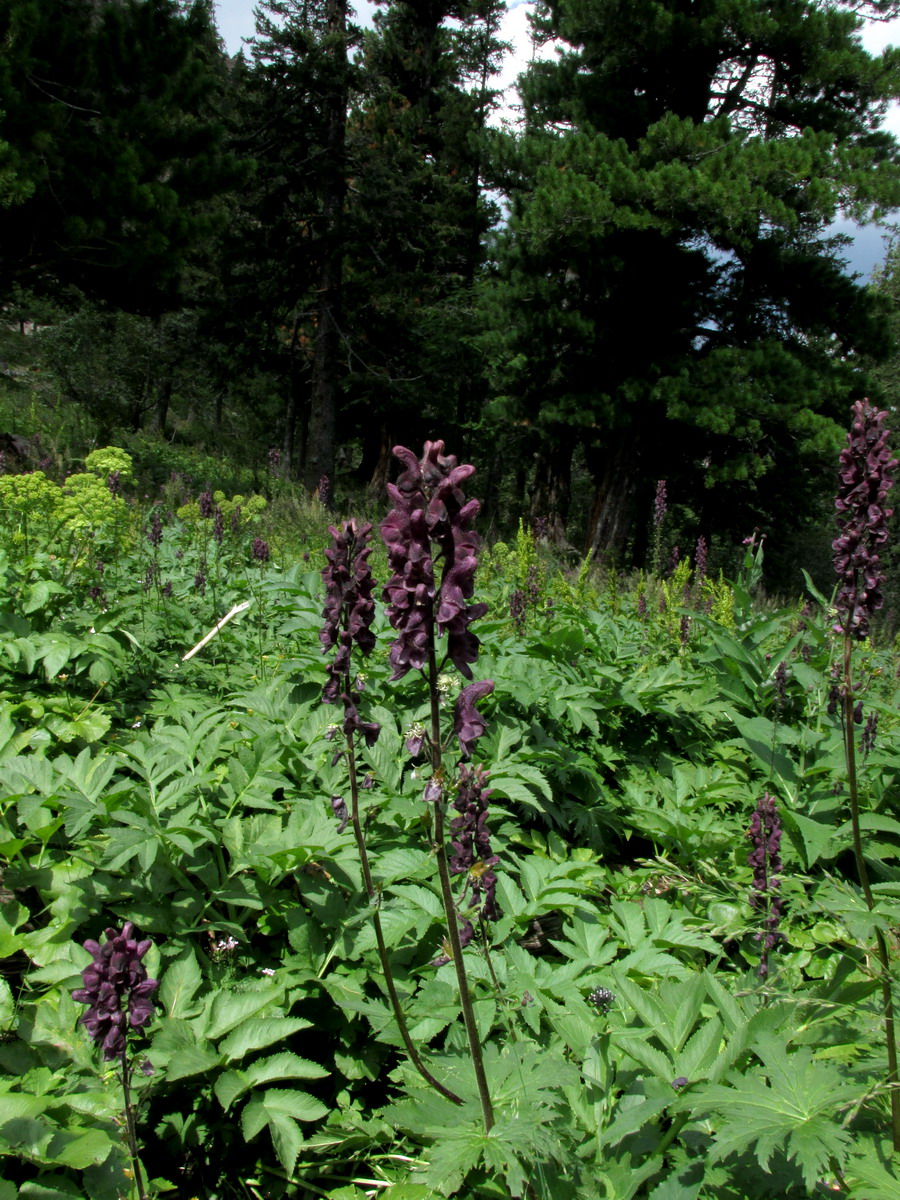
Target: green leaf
[(229, 1009), (263, 1031), (179, 986), (191, 1060)]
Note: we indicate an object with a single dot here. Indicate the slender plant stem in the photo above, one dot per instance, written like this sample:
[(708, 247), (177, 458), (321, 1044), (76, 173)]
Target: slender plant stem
[(887, 994), (440, 854), (130, 1128), (399, 1015)]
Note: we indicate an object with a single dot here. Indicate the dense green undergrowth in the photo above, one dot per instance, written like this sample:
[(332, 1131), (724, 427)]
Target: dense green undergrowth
[(631, 1046)]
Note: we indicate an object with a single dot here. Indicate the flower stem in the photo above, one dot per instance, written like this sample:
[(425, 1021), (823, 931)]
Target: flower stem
[(863, 872), (399, 1016), (440, 854), (130, 1126)]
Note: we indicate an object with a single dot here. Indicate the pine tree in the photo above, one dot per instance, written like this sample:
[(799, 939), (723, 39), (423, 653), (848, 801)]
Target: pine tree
[(110, 110), (669, 295)]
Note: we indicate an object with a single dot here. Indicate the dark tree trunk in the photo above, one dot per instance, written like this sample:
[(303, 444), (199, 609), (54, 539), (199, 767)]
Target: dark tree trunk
[(551, 491), (161, 408), (615, 467), (293, 405), (322, 433)]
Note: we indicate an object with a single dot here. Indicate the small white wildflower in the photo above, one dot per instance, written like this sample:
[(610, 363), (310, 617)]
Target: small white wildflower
[(266, 971), (226, 945), (446, 684)]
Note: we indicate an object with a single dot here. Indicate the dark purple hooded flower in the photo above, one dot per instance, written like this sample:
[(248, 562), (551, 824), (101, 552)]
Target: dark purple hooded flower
[(865, 478), (117, 989), (429, 524), (468, 723)]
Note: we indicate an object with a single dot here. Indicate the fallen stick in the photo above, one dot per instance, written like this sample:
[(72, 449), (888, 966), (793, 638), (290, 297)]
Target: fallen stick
[(238, 608)]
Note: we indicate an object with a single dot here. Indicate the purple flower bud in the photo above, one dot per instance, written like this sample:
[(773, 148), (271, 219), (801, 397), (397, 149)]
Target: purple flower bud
[(116, 988), (468, 724), (260, 550), (865, 478), (339, 808), (200, 582), (415, 739), (205, 504), (433, 791), (113, 482), (867, 741)]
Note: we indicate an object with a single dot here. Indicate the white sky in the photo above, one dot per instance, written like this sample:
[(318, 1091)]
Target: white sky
[(235, 20)]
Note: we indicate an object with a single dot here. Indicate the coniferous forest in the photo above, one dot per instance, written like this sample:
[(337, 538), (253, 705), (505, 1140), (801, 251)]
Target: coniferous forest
[(449, 593)]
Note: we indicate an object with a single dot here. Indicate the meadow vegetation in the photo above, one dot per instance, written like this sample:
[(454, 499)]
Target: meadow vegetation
[(350, 922)]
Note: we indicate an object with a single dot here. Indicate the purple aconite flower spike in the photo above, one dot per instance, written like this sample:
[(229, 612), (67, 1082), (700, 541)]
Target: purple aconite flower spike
[(431, 522), (765, 859), (117, 989), (864, 479), (472, 840)]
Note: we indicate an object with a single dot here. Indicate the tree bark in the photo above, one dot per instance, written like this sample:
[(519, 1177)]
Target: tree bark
[(322, 435), (615, 467), (551, 491)]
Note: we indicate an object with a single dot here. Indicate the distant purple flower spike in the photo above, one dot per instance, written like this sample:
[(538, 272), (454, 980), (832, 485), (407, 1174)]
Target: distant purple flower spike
[(205, 504), (117, 989), (660, 505), (865, 478), (765, 859), (155, 532), (260, 550), (701, 558), (468, 724)]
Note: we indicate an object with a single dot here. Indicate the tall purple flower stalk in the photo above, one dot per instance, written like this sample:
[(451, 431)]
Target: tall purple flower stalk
[(433, 553), (349, 612), (865, 478), (765, 859)]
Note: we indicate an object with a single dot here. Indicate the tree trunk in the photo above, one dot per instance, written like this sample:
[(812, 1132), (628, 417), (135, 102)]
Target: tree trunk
[(161, 408), (551, 491), (322, 434), (615, 467)]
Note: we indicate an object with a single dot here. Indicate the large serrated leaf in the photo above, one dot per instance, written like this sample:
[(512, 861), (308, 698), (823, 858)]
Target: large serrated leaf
[(283, 1066), (255, 1034), (191, 1060), (179, 986), (229, 1009)]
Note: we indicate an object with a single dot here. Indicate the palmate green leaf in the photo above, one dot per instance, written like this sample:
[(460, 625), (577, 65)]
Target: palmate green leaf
[(789, 1107)]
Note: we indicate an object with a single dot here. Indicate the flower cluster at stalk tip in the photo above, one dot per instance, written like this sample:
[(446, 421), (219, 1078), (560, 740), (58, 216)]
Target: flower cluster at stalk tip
[(117, 989), (865, 478), (349, 607), (765, 859), (349, 611), (431, 519)]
